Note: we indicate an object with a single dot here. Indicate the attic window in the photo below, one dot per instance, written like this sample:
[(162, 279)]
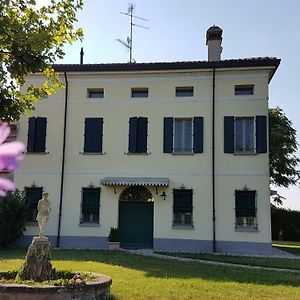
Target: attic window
[(242, 90), (184, 91), (97, 93), (139, 93)]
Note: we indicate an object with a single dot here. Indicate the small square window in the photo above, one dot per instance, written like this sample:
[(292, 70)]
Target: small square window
[(243, 90), (139, 92), (185, 91), (99, 93)]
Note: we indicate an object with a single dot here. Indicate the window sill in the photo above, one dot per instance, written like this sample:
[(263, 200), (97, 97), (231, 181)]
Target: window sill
[(246, 229), (137, 153), (27, 152), (245, 153), (92, 153), (183, 153), (89, 224), (31, 223), (184, 227)]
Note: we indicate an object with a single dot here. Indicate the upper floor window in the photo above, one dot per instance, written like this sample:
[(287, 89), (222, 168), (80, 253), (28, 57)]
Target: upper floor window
[(245, 134), (139, 92), (95, 93), (36, 135), (32, 195), (90, 205), (183, 207), (242, 90), (138, 133), (183, 135), (93, 135), (245, 208), (184, 91)]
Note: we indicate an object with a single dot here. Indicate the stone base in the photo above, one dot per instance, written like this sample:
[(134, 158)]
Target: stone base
[(37, 265), (99, 289)]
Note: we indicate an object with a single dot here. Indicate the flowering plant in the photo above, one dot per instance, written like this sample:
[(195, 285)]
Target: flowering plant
[(10, 152)]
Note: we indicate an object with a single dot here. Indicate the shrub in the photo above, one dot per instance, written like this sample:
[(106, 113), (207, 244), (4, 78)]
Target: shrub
[(12, 217), (287, 222), (114, 235)]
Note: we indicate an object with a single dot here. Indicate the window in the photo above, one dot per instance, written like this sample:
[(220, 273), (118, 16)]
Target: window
[(90, 205), (36, 135), (138, 133), (97, 93), (139, 92), (93, 135), (183, 135), (244, 135), (183, 207), (242, 90), (183, 129), (245, 208), (33, 195), (185, 91)]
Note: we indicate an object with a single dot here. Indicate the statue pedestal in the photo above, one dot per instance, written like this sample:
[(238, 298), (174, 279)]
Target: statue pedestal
[(37, 264)]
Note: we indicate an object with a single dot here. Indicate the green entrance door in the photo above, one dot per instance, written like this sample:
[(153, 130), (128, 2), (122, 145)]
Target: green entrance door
[(136, 218)]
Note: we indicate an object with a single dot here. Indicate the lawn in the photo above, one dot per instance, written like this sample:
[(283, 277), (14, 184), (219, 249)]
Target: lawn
[(281, 263), (137, 277), (292, 247)]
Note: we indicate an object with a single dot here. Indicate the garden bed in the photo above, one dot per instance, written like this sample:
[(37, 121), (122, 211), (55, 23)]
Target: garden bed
[(66, 286)]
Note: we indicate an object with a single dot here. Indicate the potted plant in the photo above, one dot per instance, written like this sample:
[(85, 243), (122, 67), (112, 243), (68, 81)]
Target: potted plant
[(114, 239)]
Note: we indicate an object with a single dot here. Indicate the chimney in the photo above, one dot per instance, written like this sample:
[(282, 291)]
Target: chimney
[(213, 42), (81, 55)]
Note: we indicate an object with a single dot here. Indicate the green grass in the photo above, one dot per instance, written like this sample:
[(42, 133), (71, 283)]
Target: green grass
[(282, 263), (137, 277), (291, 247)]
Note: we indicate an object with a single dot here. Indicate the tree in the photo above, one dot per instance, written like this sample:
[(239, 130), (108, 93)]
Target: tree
[(12, 217), (31, 39), (282, 148)]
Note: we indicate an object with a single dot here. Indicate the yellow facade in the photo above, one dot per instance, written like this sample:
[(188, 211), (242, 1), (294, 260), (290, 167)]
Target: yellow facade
[(232, 171)]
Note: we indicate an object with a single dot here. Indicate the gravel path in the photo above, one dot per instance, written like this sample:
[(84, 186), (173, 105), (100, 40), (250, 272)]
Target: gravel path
[(276, 254)]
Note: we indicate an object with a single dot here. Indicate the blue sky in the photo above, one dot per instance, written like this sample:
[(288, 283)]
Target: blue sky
[(177, 33)]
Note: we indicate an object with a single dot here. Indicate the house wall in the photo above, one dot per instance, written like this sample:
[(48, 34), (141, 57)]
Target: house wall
[(192, 171)]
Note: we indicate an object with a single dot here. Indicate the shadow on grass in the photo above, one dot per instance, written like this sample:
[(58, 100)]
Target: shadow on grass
[(163, 268), (289, 248)]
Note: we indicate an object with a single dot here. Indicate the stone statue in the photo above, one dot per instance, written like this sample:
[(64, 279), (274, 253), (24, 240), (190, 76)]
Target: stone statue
[(44, 209)]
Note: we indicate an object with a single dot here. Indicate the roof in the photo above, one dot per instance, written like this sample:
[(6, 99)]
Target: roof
[(164, 66), (157, 181)]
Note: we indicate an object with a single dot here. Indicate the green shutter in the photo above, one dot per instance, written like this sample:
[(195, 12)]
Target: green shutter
[(168, 135), (40, 134), (198, 134), (229, 134), (31, 135), (133, 126), (261, 134)]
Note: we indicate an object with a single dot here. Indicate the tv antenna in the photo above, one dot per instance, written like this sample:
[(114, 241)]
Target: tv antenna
[(128, 44)]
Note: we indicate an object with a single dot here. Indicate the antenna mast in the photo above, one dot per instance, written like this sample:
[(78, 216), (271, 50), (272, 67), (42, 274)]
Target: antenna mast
[(129, 43)]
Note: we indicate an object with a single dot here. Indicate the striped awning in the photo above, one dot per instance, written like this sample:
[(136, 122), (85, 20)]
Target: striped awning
[(144, 181)]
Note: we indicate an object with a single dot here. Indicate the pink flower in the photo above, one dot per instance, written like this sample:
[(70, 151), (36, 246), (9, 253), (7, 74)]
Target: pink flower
[(9, 153)]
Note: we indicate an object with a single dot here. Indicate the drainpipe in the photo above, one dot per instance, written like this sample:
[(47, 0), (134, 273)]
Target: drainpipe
[(62, 162), (213, 161)]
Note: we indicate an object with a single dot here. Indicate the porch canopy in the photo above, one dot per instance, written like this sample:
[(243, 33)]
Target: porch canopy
[(139, 181)]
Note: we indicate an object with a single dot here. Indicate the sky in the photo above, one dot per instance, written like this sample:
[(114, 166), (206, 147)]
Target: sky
[(177, 30)]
